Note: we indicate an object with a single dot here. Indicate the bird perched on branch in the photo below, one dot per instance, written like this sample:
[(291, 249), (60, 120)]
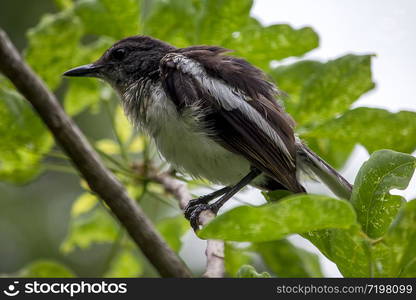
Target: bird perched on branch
[(212, 116)]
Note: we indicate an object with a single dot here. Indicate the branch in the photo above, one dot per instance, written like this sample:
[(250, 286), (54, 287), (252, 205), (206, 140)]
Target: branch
[(215, 248), (86, 160)]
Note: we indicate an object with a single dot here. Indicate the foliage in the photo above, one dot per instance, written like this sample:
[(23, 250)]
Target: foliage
[(358, 236), (373, 235), (248, 271), (94, 227), (24, 138), (293, 214), (125, 264), (287, 260), (45, 269), (376, 207), (172, 230)]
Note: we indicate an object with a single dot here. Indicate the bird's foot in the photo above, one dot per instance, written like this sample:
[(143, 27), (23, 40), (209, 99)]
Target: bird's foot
[(194, 202), (196, 206), (192, 214)]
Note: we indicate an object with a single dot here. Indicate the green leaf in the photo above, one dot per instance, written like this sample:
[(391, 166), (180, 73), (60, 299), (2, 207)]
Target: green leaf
[(220, 18), (52, 45), (64, 4), (286, 260), (45, 269), (82, 93), (318, 93), (348, 248), (401, 241), (83, 204), (117, 19), (95, 227), (234, 259), (137, 145), (292, 78), (24, 138), (228, 24), (125, 264), (276, 195), (85, 92), (366, 125), (123, 127), (332, 151), (261, 45), (294, 214), (326, 89), (356, 255), (172, 229), (248, 271), (383, 262), (375, 206), (108, 146), (178, 19)]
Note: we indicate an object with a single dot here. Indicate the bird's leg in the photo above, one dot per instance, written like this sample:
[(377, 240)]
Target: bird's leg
[(204, 200), (194, 211), (235, 189)]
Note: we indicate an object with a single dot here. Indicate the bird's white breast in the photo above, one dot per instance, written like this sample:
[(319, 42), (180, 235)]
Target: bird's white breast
[(181, 142)]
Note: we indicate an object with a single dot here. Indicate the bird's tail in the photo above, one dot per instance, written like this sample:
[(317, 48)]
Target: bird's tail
[(310, 161)]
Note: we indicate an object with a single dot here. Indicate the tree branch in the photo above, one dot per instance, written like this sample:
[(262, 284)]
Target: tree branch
[(215, 248), (86, 160)]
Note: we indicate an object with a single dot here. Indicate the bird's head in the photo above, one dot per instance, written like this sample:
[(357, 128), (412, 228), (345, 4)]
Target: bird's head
[(127, 61)]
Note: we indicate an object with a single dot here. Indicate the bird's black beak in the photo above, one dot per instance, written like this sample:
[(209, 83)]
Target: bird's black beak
[(90, 70)]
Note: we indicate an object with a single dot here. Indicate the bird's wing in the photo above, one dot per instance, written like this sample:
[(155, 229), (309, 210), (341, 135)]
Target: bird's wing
[(242, 119)]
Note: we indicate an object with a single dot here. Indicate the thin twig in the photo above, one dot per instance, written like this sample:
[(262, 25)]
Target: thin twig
[(87, 161), (215, 248)]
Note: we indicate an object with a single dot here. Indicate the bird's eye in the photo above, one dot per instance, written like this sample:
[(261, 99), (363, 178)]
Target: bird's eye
[(119, 53)]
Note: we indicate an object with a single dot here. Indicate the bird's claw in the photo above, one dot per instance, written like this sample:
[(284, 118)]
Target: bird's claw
[(192, 213), (191, 204)]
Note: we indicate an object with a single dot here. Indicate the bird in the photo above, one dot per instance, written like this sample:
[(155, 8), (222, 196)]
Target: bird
[(211, 115)]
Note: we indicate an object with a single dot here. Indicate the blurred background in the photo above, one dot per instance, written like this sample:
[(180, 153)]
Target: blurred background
[(34, 217)]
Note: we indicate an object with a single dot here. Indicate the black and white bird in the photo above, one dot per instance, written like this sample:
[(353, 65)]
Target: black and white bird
[(211, 115)]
